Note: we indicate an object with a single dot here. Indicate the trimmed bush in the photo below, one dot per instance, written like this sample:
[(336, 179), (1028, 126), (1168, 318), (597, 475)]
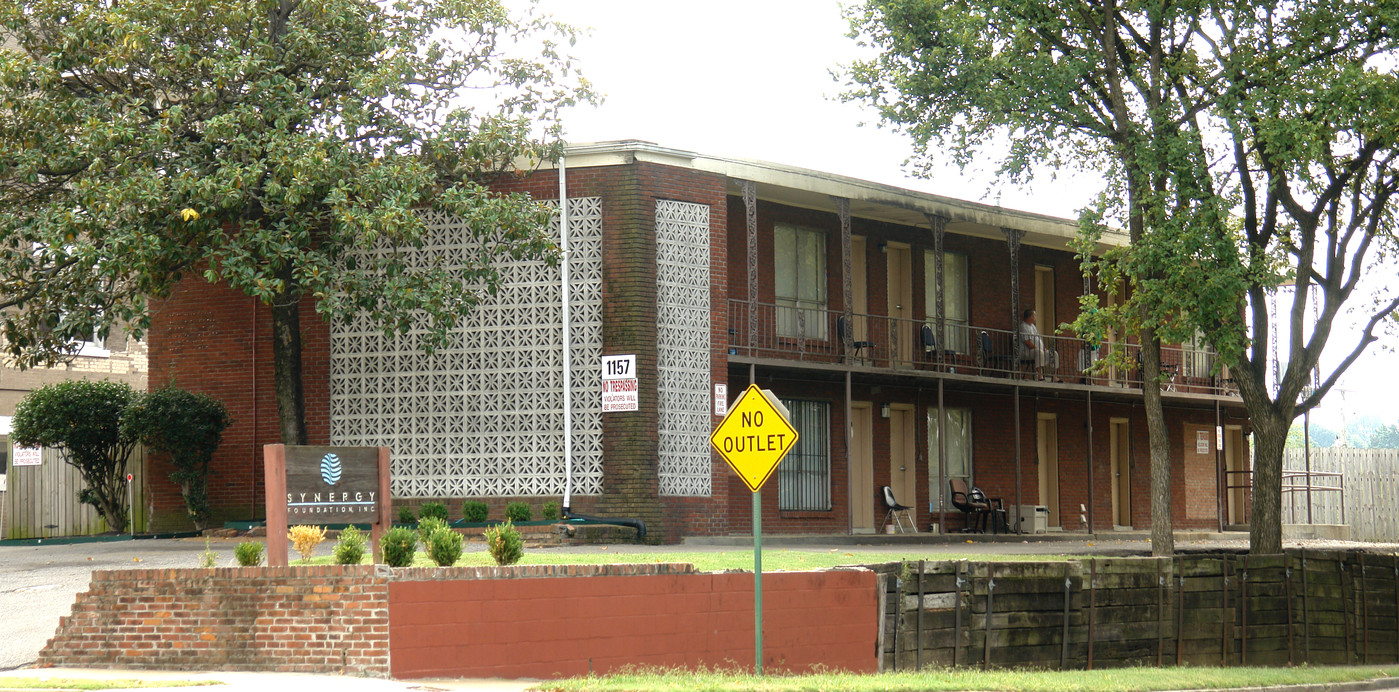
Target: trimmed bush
[(444, 546), (518, 511), (399, 546), (350, 549), (406, 516), (505, 544), (550, 511), (433, 509), (474, 511), (188, 427), (426, 525), (249, 553), (305, 539)]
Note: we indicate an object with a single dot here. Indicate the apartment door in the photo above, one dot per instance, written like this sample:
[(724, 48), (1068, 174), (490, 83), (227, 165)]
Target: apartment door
[(903, 460), (1044, 299), (900, 304), (1048, 443), (862, 504), (1121, 472), (1235, 464), (859, 288)]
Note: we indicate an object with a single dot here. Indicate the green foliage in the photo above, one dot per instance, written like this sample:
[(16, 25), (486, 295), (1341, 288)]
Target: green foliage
[(83, 421), (285, 150), (1385, 437), (188, 427), (550, 511), (504, 543), (208, 559), (433, 509), (249, 553), (351, 546), (426, 525), (518, 511), (474, 511), (399, 544), (444, 546), (406, 516)]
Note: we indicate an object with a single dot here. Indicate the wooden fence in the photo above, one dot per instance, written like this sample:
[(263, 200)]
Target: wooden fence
[(1371, 499), (42, 501), (1303, 607)]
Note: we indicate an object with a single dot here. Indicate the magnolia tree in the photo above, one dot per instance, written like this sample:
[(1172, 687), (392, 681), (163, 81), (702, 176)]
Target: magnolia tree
[(281, 147), (1245, 146)]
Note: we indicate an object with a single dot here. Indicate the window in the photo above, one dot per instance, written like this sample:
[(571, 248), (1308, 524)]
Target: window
[(804, 476), (1197, 356), (954, 298), (958, 424), (800, 268)]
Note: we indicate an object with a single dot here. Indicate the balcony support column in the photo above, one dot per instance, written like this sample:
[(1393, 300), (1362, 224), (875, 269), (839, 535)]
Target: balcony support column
[(1091, 497), (1013, 238), (847, 290), (939, 226), (750, 207), (1018, 527)]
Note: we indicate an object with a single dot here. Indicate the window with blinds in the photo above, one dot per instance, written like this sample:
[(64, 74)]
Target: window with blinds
[(955, 303), (800, 273), (804, 476)]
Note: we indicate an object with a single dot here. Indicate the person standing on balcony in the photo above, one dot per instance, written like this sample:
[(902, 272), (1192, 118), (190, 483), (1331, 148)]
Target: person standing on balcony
[(1031, 346)]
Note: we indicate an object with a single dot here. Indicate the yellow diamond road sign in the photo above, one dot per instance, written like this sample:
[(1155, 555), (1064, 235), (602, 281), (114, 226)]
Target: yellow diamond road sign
[(753, 437)]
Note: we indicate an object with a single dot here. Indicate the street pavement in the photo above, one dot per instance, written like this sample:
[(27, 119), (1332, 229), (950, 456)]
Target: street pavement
[(38, 584)]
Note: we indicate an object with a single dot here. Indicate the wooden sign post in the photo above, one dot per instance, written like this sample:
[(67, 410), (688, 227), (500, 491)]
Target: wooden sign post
[(325, 485)]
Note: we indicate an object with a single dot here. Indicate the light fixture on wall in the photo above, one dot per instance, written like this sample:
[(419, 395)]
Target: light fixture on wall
[(884, 410), (883, 246)]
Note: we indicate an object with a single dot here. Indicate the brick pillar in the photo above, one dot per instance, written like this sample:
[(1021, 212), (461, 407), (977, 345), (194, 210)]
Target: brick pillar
[(630, 442)]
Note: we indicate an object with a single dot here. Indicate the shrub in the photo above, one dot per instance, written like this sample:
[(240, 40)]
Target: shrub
[(188, 427), (505, 544), (474, 511), (426, 526), (444, 546), (433, 509), (83, 421), (399, 546), (406, 516), (550, 511), (349, 550), (249, 553), (305, 539), (518, 511)]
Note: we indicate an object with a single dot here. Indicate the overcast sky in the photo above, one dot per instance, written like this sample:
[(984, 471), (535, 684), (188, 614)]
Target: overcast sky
[(752, 79)]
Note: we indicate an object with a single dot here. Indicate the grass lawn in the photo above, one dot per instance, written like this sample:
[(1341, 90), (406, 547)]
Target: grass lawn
[(774, 559), (26, 683), (1111, 680)]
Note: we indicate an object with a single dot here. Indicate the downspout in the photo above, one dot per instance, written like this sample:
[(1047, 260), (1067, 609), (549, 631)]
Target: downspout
[(257, 455), (567, 346)]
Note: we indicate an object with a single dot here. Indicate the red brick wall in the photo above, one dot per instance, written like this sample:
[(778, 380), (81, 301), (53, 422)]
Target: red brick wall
[(328, 620), (551, 628), (210, 339)]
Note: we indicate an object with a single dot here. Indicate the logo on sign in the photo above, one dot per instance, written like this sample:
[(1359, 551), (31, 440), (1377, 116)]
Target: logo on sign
[(330, 469)]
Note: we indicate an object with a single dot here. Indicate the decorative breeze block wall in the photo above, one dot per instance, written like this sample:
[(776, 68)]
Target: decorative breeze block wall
[(682, 327)]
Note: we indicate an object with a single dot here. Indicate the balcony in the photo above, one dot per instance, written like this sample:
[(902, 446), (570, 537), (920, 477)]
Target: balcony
[(816, 335)]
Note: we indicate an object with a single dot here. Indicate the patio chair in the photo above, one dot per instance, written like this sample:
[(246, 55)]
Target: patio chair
[(858, 346), (976, 512), (1008, 362), (899, 513)]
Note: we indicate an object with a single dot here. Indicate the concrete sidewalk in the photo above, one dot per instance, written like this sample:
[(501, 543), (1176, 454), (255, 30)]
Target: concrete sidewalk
[(266, 682)]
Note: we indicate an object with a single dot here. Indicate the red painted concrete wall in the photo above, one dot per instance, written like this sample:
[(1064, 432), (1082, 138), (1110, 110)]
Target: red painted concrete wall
[(551, 628)]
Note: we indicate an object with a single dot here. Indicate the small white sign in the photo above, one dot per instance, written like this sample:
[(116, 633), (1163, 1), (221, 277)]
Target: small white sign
[(27, 456), (1202, 442), (620, 391), (721, 399), (1219, 437), (619, 367)]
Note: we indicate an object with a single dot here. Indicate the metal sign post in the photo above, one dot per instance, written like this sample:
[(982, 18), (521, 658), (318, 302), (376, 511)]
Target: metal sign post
[(753, 438)]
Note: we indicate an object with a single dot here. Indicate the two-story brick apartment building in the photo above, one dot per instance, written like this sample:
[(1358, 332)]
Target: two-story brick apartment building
[(716, 271)]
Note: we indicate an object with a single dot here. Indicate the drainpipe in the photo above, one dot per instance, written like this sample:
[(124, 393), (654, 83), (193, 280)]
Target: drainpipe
[(567, 350)]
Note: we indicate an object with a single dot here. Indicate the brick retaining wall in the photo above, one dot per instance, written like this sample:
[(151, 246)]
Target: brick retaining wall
[(320, 619)]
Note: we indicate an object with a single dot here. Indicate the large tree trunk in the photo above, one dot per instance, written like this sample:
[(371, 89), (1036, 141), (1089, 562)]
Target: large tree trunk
[(286, 369), (1163, 542), (1265, 522)]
